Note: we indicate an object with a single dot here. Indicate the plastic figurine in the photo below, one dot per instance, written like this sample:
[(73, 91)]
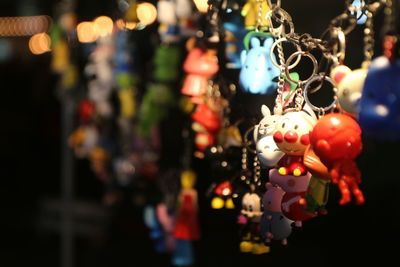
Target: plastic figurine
[(166, 63), (336, 140), (380, 103), (293, 201), (258, 72), (187, 227), (206, 125), (156, 231), (274, 225), (267, 151), (349, 85), (250, 218), (292, 138), (223, 196), (234, 34), (250, 13), (199, 65), (83, 140), (318, 189)]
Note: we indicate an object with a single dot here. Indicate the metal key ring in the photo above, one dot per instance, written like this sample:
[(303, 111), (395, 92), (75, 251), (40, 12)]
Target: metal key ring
[(283, 39), (305, 92), (285, 19), (340, 52), (301, 53), (270, 4)]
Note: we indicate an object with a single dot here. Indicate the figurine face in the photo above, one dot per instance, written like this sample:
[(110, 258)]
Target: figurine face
[(272, 198), (257, 70), (336, 136), (380, 104), (267, 151), (251, 206), (349, 85), (166, 12), (290, 183), (292, 132)]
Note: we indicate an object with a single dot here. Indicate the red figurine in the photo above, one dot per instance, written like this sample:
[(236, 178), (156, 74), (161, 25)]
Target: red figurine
[(199, 65), (336, 140)]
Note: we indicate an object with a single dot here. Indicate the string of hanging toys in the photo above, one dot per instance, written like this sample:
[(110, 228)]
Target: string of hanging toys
[(276, 171)]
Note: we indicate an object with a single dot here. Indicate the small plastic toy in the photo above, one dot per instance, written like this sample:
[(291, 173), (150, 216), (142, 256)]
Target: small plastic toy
[(274, 225), (293, 202), (267, 151), (258, 72), (206, 125), (250, 218), (292, 138), (349, 85), (380, 103), (336, 140), (199, 66)]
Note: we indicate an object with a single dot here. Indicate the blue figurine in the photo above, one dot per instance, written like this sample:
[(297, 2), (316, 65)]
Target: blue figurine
[(156, 231), (234, 33), (258, 72), (379, 114)]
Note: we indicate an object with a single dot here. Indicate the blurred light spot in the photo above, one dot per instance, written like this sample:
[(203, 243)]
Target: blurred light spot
[(40, 43), (86, 32), (68, 21), (381, 110), (103, 25), (126, 25), (202, 5), (147, 13), (226, 192), (24, 26)]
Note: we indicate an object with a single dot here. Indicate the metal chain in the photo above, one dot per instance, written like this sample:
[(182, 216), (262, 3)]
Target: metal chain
[(256, 171), (369, 41), (259, 15), (299, 99), (281, 79)]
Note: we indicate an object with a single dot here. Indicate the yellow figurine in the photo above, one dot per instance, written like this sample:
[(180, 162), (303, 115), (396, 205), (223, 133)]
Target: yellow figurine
[(250, 14)]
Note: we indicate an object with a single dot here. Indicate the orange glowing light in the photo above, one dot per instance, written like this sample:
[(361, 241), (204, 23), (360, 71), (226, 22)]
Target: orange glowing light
[(103, 25), (147, 13), (125, 25), (202, 5), (40, 43), (86, 32), (24, 26)]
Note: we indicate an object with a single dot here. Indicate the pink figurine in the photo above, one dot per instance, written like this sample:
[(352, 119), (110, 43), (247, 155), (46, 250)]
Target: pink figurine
[(336, 140), (293, 201)]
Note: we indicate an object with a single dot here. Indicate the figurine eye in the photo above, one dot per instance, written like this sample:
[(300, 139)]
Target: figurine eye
[(370, 95), (251, 208), (346, 92), (296, 127), (269, 69), (247, 66), (283, 125)]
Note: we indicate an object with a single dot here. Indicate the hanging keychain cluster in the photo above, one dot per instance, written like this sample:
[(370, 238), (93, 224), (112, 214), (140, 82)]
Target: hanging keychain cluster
[(303, 147)]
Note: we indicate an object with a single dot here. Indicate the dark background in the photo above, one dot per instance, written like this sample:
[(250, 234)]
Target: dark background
[(30, 173)]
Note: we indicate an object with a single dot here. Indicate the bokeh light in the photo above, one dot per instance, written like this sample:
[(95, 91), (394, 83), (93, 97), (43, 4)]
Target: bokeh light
[(86, 32), (40, 43), (24, 26), (103, 25), (201, 5), (147, 13)]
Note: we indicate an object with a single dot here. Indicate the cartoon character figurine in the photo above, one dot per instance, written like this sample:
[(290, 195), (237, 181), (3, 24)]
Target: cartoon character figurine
[(267, 151), (274, 225), (380, 102), (292, 138), (223, 193), (349, 86), (293, 201), (336, 140), (199, 66), (206, 125), (250, 218), (258, 72), (234, 34), (187, 227)]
